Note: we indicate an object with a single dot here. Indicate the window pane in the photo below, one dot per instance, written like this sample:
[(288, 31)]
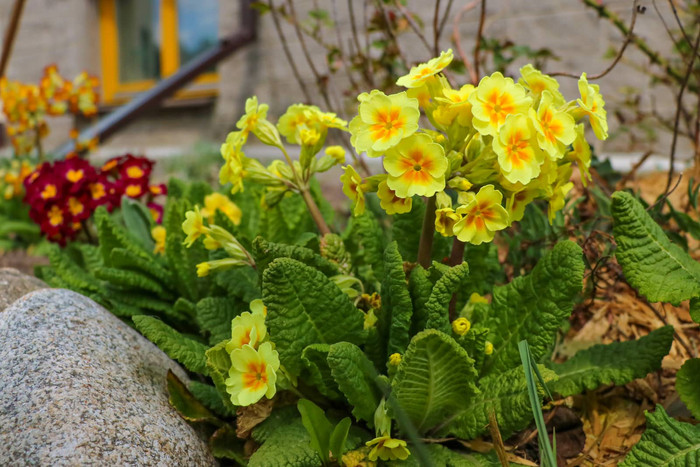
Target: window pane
[(138, 27), (198, 26)]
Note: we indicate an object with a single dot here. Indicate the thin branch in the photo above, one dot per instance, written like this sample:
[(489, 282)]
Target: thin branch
[(629, 37), (356, 38), (389, 30), (679, 105), (663, 21), (456, 38), (287, 53), (413, 25), (444, 17), (678, 21), (480, 32), (436, 29)]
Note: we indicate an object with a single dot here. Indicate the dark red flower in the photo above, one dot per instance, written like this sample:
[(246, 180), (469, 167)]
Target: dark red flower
[(135, 168), (156, 212)]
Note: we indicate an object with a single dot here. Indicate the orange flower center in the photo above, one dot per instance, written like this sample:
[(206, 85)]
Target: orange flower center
[(75, 207), (55, 216), (49, 191), (97, 190), (133, 191), (74, 176), (499, 106), (134, 172), (256, 376), (387, 123)]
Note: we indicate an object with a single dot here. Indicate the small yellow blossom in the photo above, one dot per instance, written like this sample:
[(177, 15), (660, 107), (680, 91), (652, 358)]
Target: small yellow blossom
[(445, 220), (158, 234), (592, 104), (482, 215), (488, 348), (218, 202), (352, 187), (494, 99), (455, 105), (581, 154), (232, 171), (395, 359), (420, 74), (254, 112), (247, 329), (257, 307), (296, 117), (537, 82), (422, 94), (383, 121), (370, 319), (387, 448), (193, 226), (559, 190), (555, 128), (461, 326), (477, 298), (337, 153), (416, 166), (518, 201), (252, 374), (391, 203), (203, 269), (518, 158)]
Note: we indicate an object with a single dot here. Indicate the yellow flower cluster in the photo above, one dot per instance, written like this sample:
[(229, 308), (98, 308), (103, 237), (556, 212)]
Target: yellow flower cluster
[(26, 106), (254, 362), (493, 148), (303, 125), (12, 178)]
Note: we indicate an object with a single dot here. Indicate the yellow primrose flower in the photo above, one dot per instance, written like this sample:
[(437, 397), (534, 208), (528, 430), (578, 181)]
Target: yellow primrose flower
[(232, 171), (337, 153), (247, 329), (218, 202), (518, 201), (193, 226), (203, 269), (455, 104), (252, 374), (383, 121), (581, 154), (537, 82), (461, 326), (482, 216), (395, 359), (445, 220), (592, 104), (352, 187), (254, 113), (158, 234), (477, 298), (416, 166), (494, 99), (391, 203), (296, 117), (518, 158), (257, 307), (357, 458), (488, 348), (555, 128), (561, 187), (387, 448), (422, 94), (420, 74)]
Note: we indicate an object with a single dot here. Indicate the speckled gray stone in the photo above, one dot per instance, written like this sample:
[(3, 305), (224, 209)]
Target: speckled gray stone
[(79, 387), (14, 284)]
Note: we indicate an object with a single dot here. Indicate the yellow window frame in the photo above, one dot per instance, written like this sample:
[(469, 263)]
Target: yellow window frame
[(116, 92)]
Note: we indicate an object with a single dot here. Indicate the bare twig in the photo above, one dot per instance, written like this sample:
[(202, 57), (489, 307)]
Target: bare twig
[(444, 18), (679, 105), (436, 29), (628, 38), (406, 14), (456, 38), (656, 312), (678, 21), (389, 30), (479, 33), (356, 39), (497, 439), (287, 53), (663, 21), (10, 35)]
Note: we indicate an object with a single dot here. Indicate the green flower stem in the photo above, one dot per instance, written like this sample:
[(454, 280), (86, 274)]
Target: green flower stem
[(303, 188), (425, 246)]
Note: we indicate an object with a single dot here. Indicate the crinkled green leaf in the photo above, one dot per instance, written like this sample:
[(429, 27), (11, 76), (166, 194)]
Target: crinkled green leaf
[(265, 252), (394, 317), (445, 457), (70, 274), (688, 385), (364, 238), (285, 442), (114, 236), (211, 398), (435, 379), (186, 403), (474, 342), (441, 295), (214, 315), (286, 221), (125, 259), (406, 231), (305, 307), (242, 283), (505, 394), (665, 443), (132, 280), (225, 444), (658, 269), (533, 307), (317, 372), (420, 288), (484, 269), (138, 222), (695, 309), (178, 347), (218, 362), (617, 363), (355, 376)]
